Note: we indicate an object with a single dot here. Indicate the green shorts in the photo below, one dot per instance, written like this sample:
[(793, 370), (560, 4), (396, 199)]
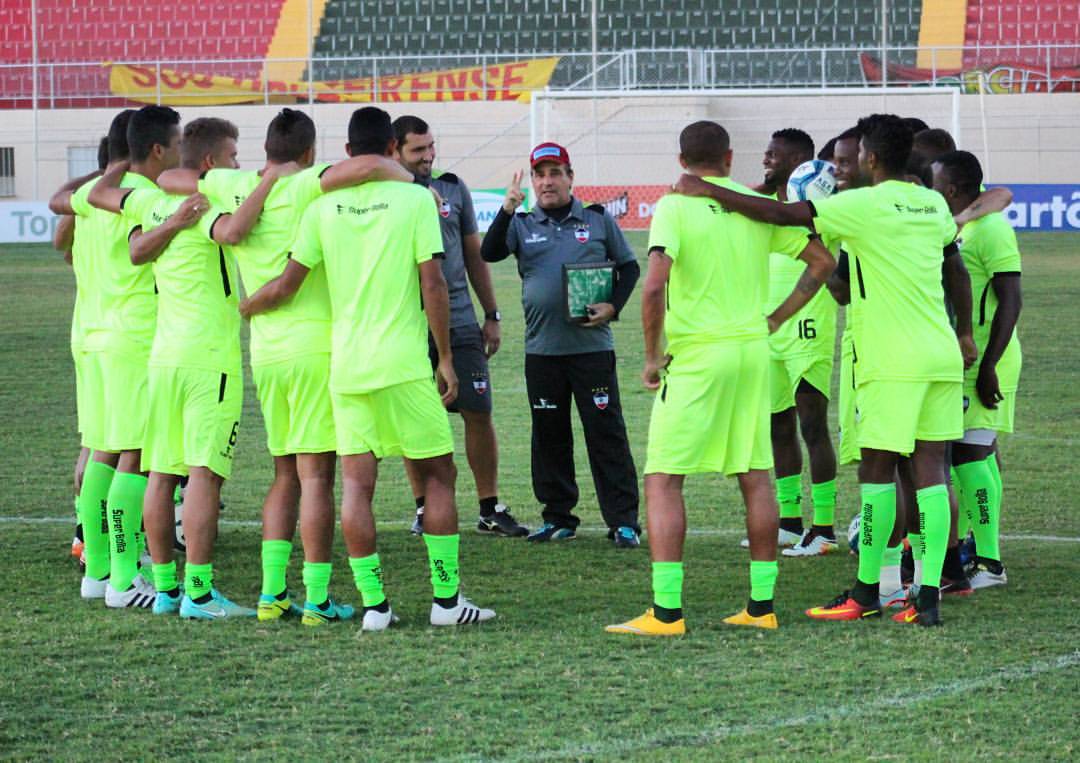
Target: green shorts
[(786, 373), (978, 416), (78, 358), (114, 402), (846, 413), (294, 396), (194, 419), (894, 414), (711, 413), (406, 419)]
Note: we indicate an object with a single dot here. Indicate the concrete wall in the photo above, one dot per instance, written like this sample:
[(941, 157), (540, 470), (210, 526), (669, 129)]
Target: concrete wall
[(1031, 138)]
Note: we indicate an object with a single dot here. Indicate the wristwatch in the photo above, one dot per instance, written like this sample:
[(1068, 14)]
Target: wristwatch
[(493, 315)]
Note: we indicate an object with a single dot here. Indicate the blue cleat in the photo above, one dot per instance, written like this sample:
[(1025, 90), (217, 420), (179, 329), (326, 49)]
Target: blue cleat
[(550, 532), (329, 612), (218, 608), (165, 604)]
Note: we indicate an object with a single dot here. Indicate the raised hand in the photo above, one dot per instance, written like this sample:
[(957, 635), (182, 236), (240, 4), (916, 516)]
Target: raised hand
[(514, 195)]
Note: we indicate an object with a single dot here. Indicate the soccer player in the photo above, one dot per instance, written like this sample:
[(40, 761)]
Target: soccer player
[(290, 351), (988, 246), (706, 287), (380, 244), (472, 345), (195, 378), (567, 361), (800, 372), (910, 364), (118, 322)]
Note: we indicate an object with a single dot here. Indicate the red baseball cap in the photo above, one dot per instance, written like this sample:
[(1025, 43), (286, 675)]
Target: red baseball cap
[(549, 152)]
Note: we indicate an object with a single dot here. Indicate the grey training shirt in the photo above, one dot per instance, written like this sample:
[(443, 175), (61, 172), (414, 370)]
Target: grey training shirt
[(457, 220), (542, 246)]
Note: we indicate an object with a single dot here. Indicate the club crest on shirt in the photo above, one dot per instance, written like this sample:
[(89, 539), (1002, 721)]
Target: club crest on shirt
[(600, 397), (444, 209), (480, 383), (581, 233)]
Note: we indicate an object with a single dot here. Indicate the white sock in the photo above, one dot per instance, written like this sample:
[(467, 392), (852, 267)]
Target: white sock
[(890, 580), (918, 572)]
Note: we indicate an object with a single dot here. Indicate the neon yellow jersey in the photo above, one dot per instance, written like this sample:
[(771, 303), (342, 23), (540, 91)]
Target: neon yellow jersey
[(301, 326), (719, 280), (371, 239), (116, 305), (812, 330), (988, 246), (894, 234), (198, 323)]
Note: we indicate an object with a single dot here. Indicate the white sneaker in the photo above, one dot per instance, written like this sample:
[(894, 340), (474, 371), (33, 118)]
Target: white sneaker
[(93, 589), (378, 621), (818, 545), (983, 577), (465, 613), (140, 595), (784, 539), (894, 600)]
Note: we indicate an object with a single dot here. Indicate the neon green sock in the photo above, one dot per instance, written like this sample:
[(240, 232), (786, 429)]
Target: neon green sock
[(367, 571), (763, 580), (97, 479), (667, 580), (317, 581), (891, 555), (275, 561), (933, 503), (980, 502), (789, 496), (878, 518), (916, 541), (125, 518), (992, 462), (198, 579), (823, 495), (443, 558), (963, 523), (165, 578)]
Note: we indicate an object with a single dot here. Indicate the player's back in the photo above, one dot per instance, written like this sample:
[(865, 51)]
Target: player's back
[(988, 246)]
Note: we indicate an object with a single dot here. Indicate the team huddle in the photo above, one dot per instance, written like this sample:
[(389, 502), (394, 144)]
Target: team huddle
[(364, 335)]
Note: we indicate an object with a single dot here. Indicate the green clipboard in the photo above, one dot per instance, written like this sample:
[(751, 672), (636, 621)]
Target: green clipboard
[(586, 284)]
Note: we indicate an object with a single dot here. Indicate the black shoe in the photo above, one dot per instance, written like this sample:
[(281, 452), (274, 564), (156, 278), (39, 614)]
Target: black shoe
[(501, 522), (926, 605), (907, 567), (418, 524), (626, 537), (549, 532)]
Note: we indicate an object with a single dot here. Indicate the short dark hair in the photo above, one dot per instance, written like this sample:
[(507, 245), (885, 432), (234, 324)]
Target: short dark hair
[(289, 135), (827, 151), (149, 126), (850, 134), (915, 124), (103, 153), (798, 140), (933, 143), (405, 125), (117, 138), (202, 136), (369, 131), (963, 170), (704, 144), (888, 138)]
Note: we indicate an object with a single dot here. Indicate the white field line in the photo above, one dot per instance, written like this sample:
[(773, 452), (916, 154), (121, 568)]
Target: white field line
[(699, 736), (707, 532)]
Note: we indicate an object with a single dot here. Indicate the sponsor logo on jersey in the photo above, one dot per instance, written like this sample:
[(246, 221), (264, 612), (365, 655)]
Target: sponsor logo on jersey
[(535, 238)]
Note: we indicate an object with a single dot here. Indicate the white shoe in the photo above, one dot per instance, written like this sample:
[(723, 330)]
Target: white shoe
[(465, 613), (93, 589), (378, 621), (896, 599), (818, 545), (140, 595), (983, 577), (784, 539)]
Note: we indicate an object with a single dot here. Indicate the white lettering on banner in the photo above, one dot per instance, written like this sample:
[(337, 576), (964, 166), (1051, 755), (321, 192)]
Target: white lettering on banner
[(486, 205), (1058, 212), (26, 222), (645, 210)]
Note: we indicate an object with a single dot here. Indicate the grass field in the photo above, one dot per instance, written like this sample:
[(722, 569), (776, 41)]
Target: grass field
[(543, 681)]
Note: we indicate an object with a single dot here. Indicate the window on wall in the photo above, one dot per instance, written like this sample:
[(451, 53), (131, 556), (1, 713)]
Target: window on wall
[(82, 160), (7, 171)]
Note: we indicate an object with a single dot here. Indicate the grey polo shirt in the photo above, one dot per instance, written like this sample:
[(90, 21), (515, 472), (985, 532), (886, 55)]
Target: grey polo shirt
[(457, 220), (542, 246)]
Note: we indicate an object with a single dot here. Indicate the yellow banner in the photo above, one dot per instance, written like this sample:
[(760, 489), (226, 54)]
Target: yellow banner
[(510, 81)]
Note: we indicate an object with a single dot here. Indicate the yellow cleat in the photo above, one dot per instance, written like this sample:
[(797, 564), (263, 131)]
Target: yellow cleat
[(648, 625), (745, 618), (271, 608)]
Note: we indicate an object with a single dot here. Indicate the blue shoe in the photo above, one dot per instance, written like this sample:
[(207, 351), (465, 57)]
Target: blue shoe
[(218, 608), (549, 532), (329, 612), (165, 604), (626, 537)]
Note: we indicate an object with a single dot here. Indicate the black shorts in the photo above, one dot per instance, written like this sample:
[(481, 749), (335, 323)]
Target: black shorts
[(471, 367)]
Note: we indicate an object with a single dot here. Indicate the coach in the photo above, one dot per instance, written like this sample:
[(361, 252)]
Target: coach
[(567, 360)]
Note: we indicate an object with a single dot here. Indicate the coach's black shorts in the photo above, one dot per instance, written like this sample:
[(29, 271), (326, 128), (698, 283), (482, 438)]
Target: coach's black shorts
[(471, 367)]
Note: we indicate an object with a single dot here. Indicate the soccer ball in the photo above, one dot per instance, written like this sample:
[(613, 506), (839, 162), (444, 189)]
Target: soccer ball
[(178, 541), (814, 179), (853, 534)]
